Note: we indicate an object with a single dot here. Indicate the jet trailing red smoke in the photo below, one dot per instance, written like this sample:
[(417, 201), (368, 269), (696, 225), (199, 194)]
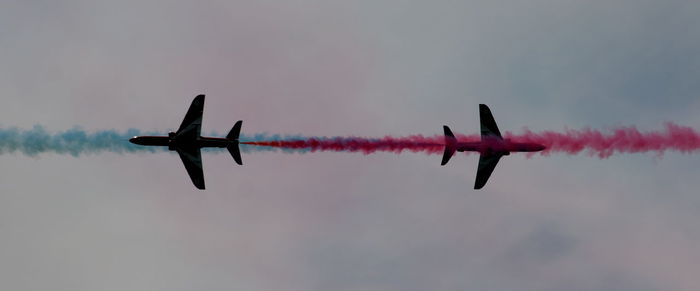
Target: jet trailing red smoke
[(602, 144)]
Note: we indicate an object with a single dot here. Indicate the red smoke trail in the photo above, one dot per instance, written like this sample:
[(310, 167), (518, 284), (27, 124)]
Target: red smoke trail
[(673, 137), (413, 143), (593, 142)]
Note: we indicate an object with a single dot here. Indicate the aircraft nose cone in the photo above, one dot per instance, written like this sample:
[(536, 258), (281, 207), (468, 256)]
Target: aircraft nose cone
[(133, 140)]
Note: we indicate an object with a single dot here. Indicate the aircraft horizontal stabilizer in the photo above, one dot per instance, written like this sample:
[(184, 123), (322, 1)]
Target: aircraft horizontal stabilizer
[(235, 153), (450, 145), (233, 148), (235, 131)]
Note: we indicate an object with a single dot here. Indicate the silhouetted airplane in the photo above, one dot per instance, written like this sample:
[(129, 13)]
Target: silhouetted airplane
[(187, 142), (491, 147)]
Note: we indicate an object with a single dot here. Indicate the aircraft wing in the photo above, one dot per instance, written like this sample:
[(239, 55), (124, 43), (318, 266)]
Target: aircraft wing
[(192, 124), (486, 165), (488, 124), (192, 158)]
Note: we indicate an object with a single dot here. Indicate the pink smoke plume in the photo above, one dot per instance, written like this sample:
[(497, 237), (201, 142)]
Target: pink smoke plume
[(629, 139), (598, 143), (413, 143)]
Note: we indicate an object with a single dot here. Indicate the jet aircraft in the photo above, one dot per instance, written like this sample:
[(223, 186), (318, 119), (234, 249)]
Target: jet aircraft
[(187, 141), (491, 147)]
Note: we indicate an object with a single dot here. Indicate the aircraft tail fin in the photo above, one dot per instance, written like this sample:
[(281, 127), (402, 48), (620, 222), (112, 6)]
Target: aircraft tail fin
[(450, 145), (233, 148)]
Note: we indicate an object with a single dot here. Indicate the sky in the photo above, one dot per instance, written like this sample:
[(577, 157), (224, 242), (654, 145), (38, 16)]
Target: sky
[(347, 221)]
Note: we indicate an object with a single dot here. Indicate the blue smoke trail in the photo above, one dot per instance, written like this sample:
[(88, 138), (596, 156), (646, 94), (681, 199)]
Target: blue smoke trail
[(74, 141), (77, 141)]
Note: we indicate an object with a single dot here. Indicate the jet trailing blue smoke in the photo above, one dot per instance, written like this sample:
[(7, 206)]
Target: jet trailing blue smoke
[(77, 141)]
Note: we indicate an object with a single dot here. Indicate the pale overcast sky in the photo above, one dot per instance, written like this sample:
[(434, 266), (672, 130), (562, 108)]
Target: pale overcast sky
[(344, 221)]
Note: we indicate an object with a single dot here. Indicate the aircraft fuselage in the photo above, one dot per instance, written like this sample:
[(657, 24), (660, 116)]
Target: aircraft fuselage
[(498, 146), (172, 142)]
